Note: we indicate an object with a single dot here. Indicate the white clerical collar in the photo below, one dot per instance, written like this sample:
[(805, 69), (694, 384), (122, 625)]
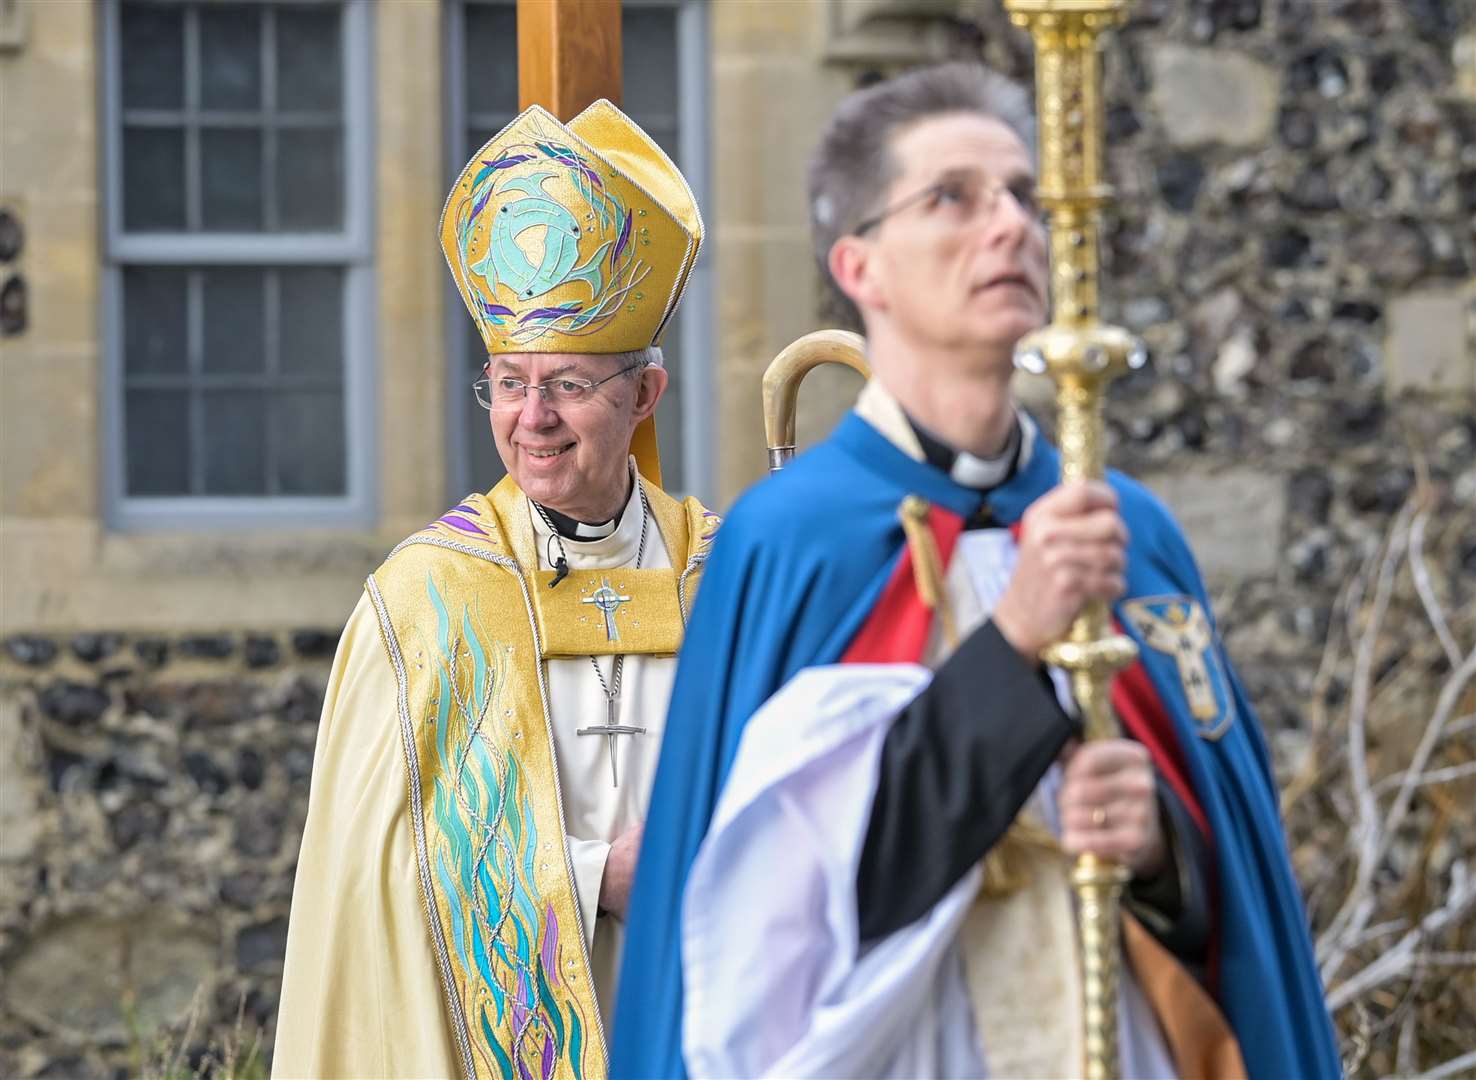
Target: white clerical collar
[(986, 473), (616, 547), (881, 410), (570, 529)]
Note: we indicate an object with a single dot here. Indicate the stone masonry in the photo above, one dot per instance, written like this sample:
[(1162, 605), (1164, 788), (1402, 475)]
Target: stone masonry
[(1295, 241), (152, 795)]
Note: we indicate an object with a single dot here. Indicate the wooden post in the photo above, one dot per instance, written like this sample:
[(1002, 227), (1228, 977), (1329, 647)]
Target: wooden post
[(568, 54)]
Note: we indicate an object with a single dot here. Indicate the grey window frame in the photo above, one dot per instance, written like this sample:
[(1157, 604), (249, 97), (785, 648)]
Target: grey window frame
[(699, 424), (351, 248)]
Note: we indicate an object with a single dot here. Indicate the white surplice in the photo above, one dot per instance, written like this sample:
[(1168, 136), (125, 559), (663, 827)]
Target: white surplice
[(597, 812), (775, 983)]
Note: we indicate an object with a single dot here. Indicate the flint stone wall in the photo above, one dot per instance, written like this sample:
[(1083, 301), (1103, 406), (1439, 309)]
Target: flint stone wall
[(1295, 242), (152, 795)]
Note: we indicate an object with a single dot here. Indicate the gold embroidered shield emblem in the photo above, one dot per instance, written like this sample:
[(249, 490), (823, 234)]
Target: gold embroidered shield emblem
[(1177, 627)]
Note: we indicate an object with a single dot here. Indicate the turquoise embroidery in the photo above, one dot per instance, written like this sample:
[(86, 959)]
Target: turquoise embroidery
[(560, 244), (505, 937), (510, 199)]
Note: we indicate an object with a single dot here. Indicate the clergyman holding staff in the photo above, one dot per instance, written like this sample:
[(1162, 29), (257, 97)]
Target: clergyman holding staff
[(870, 791)]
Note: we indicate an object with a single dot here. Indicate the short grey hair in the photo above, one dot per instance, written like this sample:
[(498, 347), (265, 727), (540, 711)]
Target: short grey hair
[(650, 356), (853, 165)]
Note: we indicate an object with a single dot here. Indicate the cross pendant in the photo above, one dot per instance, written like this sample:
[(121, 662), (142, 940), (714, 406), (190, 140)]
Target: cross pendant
[(608, 600), (611, 728)]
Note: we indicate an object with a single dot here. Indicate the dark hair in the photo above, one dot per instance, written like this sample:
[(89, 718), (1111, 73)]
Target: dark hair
[(853, 165)]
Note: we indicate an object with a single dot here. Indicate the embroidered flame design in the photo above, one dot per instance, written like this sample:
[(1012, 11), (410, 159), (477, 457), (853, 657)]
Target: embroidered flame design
[(505, 939)]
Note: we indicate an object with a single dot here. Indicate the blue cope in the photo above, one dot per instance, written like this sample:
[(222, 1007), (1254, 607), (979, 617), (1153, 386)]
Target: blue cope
[(795, 570)]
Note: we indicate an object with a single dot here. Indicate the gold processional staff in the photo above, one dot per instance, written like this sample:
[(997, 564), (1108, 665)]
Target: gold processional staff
[(1081, 355)]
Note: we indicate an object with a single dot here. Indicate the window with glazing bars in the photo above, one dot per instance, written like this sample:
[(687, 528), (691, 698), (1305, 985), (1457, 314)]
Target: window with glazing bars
[(238, 250)]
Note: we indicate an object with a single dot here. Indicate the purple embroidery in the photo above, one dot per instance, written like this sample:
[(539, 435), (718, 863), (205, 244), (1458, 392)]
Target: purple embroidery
[(507, 161), (520, 1002), (622, 241), (462, 524), (546, 313), (565, 156), (520, 1019), (551, 948), (548, 1056), (463, 508)]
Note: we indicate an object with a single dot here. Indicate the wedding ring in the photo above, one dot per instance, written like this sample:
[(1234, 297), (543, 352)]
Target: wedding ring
[(1099, 816)]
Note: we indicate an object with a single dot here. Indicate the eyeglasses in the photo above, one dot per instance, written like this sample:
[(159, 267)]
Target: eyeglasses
[(505, 392), (967, 196)]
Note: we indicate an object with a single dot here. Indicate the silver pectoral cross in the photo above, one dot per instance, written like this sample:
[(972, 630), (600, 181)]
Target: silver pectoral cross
[(610, 728), (608, 601)]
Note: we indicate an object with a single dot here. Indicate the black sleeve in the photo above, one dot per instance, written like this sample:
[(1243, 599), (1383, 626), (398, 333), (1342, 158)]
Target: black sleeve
[(957, 766), (1174, 906)]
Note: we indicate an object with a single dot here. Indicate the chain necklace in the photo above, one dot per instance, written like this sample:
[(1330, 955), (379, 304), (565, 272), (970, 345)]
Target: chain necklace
[(611, 689)]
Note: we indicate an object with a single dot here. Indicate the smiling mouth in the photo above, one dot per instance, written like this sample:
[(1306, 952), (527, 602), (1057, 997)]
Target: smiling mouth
[(543, 454)]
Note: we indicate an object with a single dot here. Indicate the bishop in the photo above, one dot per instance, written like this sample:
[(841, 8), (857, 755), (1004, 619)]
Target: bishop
[(466, 867)]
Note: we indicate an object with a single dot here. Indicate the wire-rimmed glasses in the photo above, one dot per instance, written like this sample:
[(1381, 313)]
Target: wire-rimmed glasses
[(970, 194), (505, 392)]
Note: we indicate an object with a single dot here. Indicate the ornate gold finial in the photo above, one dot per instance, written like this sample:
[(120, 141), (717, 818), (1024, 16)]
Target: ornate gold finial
[(1081, 355)]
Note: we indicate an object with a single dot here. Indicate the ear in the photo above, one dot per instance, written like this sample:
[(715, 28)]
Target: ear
[(850, 263), (651, 385)]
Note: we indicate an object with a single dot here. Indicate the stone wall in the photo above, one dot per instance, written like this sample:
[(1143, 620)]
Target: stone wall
[(771, 92), (152, 795), (1295, 243)]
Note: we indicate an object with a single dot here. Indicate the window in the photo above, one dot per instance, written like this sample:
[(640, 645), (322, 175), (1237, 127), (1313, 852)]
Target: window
[(664, 57), (237, 277)]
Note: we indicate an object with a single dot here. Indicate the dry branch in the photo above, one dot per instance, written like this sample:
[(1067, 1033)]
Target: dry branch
[(1380, 814)]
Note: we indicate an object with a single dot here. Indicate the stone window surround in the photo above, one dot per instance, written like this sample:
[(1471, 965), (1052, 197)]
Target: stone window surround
[(351, 249), (697, 323), (69, 565)]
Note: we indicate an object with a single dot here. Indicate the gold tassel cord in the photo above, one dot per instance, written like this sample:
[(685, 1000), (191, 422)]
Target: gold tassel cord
[(927, 564), (1007, 865)]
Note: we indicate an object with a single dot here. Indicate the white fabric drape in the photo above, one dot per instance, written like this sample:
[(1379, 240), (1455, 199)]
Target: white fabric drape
[(774, 982)]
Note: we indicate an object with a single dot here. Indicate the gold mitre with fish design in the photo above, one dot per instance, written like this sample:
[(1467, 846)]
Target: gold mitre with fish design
[(574, 238)]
